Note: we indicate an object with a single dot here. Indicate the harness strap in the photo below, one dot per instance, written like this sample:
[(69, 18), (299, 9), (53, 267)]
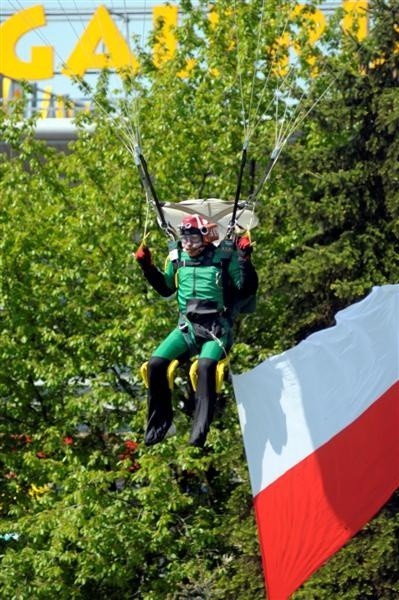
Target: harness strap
[(225, 252), (187, 329), (192, 330), (221, 368)]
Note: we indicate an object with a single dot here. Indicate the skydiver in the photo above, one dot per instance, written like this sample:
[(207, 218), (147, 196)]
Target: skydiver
[(210, 281)]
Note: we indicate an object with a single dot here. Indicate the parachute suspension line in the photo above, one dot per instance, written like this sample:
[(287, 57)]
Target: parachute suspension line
[(135, 133), (83, 84), (136, 99), (284, 88), (248, 132), (133, 124), (130, 142), (257, 51), (252, 121), (133, 129), (239, 71), (285, 123), (282, 134), (46, 40), (272, 161), (257, 117), (276, 122), (126, 141), (130, 137), (284, 129), (247, 117), (21, 8), (281, 138), (280, 124), (39, 33), (284, 138), (298, 116), (302, 116)]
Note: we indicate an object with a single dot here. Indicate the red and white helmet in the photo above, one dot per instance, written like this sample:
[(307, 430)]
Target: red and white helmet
[(194, 224)]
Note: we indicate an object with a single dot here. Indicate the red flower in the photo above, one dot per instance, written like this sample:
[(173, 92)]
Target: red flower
[(21, 437), (68, 440), (131, 446), (133, 467), (123, 456), (41, 454)]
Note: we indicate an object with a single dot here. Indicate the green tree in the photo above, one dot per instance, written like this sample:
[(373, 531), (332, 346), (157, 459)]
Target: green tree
[(85, 509)]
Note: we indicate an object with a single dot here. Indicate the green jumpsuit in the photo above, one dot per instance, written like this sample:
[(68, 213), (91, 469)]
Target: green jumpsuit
[(207, 288)]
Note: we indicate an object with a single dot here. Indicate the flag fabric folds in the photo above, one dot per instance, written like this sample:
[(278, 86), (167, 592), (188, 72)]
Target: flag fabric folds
[(321, 431)]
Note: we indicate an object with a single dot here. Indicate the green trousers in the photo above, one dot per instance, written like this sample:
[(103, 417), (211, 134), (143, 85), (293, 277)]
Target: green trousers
[(185, 343)]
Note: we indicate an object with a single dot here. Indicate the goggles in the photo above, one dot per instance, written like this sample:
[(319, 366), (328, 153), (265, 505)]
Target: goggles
[(208, 233), (190, 228), (192, 239)]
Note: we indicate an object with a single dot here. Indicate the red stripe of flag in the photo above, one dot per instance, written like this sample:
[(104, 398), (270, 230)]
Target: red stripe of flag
[(308, 513)]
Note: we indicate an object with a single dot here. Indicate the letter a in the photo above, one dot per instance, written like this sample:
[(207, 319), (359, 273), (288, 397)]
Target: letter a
[(100, 29)]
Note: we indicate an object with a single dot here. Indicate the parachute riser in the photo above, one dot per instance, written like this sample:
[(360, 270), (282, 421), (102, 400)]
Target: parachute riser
[(150, 191), (230, 230)]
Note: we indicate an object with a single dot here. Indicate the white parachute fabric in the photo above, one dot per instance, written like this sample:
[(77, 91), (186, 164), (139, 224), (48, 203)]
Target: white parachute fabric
[(214, 210)]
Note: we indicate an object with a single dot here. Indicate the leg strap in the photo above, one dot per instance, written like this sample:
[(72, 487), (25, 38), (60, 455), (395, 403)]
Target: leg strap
[(170, 373), (221, 368)]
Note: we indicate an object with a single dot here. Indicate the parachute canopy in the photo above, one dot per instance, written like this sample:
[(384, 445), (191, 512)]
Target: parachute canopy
[(214, 210)]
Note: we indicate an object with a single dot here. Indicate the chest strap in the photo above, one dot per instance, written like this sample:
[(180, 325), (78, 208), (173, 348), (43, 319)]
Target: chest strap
[(213, 256)]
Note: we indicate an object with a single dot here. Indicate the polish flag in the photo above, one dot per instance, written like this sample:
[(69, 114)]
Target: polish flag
[(321, 431)]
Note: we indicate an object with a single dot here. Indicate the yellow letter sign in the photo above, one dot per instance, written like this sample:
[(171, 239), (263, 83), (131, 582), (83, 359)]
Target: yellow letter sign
[(100, 29), (41, 63), (165, 21)]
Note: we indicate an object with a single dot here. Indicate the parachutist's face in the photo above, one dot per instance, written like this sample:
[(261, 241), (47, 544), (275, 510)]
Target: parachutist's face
[(192, 244)]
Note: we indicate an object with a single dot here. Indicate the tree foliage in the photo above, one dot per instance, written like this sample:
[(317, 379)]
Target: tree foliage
[(86, 510)]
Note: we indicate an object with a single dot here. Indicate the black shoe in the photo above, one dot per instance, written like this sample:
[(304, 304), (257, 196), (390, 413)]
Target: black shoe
[(154, 436), (198, 440)]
